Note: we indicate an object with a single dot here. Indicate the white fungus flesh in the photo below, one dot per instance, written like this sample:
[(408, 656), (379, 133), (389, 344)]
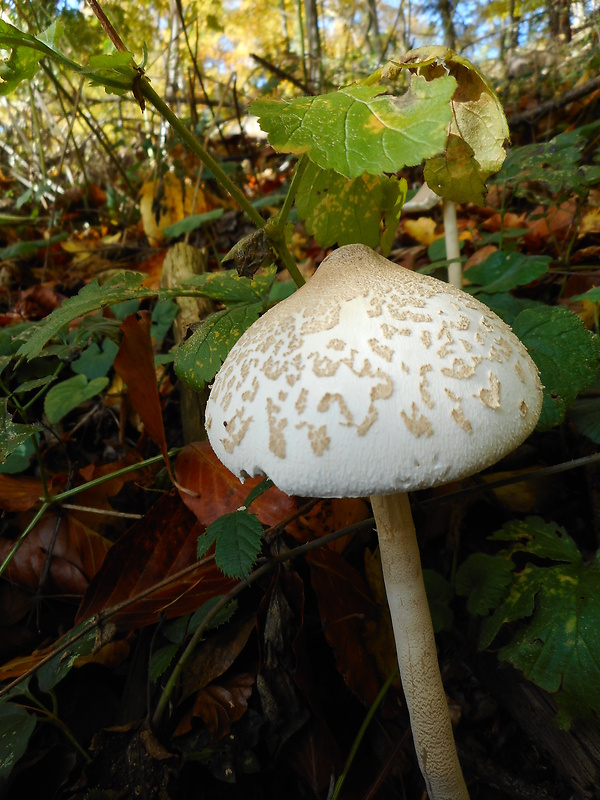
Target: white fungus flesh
[(372, 379)]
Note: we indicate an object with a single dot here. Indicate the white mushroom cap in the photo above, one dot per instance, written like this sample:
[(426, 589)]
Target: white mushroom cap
[(372, 379)]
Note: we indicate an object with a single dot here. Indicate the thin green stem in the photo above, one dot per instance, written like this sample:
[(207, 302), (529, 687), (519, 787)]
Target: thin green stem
[(22, 537), (57, 498), (292, 190), (196, 147), (361, 732)]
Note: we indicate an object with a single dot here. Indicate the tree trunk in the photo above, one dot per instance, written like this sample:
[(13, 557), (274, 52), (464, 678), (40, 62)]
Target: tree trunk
[(313, 41)]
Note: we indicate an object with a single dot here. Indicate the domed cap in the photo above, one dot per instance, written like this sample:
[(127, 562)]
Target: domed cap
[(372, 379)]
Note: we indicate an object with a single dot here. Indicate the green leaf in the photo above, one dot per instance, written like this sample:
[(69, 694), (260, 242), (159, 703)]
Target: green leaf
[(439, 595), (359, 128), (221, 617), (484, 580), (191, 223), (478, 129), (27, 52), (258, 490), (554, 164), (163, 316), (67, 395), (125, 286), (238, 539), (95, 362), (340, 210), (200, 357), (501, 272), (455, 174), (55, 670), (591, 296), (507, 306), (160, 661), (584, 414), (565, 353), (12, 434), (231, 288), (558, 648), (16, 728), (20, 249)]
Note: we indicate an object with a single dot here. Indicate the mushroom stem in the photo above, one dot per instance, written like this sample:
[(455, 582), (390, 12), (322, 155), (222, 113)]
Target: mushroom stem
[(416, 650)]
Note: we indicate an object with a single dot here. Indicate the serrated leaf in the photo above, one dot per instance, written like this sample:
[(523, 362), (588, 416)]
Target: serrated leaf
[(160, 661), (55, 670), (231, 288), (501, 272), (554, 163), (67, 395), (565, 353), (359, 128), (12, 434), (558, 649), (16, 728), (507, 306), (238, 539), (484, 580), (27, 52), (200, 357), (340, 210), (221, 617), (125, 286)]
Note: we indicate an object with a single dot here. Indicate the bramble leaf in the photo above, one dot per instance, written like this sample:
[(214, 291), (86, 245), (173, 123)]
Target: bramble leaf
[(341, 210), (125, 286), (231, 288), (359, 128), (26, 53), (200, 357), (12, 434), (501, 272), (558, 649), (565, 353), (238, 539), (16, 728)]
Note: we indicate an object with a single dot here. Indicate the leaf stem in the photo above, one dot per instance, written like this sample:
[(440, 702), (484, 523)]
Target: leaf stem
[(196, 147), (361, 732)]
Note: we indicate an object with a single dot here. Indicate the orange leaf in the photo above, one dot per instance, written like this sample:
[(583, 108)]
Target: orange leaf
[(219, 491), (219, 705), (329, 516), (77, 553), (135, 365), (19, 493), (158, 546)]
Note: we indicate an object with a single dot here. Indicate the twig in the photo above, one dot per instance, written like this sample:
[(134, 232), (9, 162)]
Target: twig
[(555, 102)]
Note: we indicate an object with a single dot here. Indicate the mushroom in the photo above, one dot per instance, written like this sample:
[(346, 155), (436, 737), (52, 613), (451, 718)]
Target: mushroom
[(375, 380)]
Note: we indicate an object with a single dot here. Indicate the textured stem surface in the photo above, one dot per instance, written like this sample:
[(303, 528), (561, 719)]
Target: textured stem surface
[(415, 646)]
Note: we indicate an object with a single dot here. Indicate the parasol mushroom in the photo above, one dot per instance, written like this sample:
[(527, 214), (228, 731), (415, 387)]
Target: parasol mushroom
[(375, 380)]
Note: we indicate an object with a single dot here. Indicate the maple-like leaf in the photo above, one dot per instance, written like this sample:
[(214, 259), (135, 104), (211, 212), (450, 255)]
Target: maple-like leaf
[(360, 128)]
